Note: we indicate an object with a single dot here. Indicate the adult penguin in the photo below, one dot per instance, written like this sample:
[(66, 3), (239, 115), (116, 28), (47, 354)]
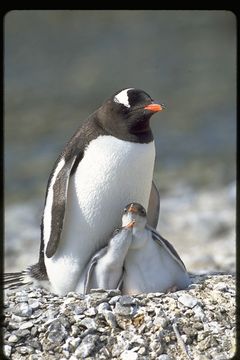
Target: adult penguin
[(107, 163)]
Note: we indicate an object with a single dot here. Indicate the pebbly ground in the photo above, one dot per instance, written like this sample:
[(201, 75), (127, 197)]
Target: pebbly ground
[(197, 323)]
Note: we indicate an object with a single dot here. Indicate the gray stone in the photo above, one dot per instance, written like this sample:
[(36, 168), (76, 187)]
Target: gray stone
[(16, 318), (124, 310), (91, 311), (13, 339), (161, 321), (26, 325), (103, 306), (80, 309), (22, 309), (74, 330), (199, 312), (110, 318), (64, 321), (129, 355), (35, 304), (86, 347), (88, 323), (13, 326), (114, 292), (7, 349), (164, 357), (35, 344), (142, 350), (71, 344), (56, 332), (34, 331), (24, 350), (22, 299), (114, 300), (188, 300), (51, 314), (127, 300), (22, 332), (74, 343)]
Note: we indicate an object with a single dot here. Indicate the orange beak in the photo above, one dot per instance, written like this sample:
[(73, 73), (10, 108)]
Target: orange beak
[(130, 225), (132, 209), (154, 107)]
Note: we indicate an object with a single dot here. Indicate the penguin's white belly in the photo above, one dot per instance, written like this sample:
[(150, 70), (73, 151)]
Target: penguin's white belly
[(111, 174)]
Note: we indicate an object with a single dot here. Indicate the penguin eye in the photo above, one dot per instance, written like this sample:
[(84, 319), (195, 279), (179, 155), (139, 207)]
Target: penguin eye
[(125, 210), (143, 212)]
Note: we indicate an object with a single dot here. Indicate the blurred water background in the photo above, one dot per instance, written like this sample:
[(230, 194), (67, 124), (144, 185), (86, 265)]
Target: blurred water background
[(59, 66)]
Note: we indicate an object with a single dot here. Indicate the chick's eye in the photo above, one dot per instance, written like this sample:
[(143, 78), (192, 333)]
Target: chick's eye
[(143, 212), (125, 210)]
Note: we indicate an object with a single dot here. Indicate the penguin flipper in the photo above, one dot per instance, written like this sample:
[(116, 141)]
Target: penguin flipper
[(59, 187), (167, 246), (90, 268), (153, 207)]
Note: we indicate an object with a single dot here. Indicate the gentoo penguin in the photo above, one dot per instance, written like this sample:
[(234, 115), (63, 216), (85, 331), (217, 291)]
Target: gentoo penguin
[(91, 182), (151, 264), (105, 269), (137, 259)]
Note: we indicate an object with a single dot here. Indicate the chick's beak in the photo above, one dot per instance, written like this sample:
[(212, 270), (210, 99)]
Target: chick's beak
[(130, 225)]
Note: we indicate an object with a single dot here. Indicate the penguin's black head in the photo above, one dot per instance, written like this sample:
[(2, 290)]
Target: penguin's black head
[(126, 115)]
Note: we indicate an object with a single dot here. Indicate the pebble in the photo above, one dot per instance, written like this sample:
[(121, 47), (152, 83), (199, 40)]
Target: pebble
[(124, 310), (34, 305), (199, 313), (7, 350), (91, 311), (88, 323), (22, 299), (26, 325), (24, 350), (22, 333), (221, 286), (102, 307), (56, 332), (123, 327), (74, 330), (80, 309), (114, 299), (86, 347), (13, 338), (110, 318), (164, 357), (129, 355), (22, 309), (188, 301), (126, 300), (160, 322)]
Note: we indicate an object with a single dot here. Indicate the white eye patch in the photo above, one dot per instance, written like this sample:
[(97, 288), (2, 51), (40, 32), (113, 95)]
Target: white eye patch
[(122, 97)]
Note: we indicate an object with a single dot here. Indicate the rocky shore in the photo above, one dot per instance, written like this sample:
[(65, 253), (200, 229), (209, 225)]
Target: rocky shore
[(197, 323)]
